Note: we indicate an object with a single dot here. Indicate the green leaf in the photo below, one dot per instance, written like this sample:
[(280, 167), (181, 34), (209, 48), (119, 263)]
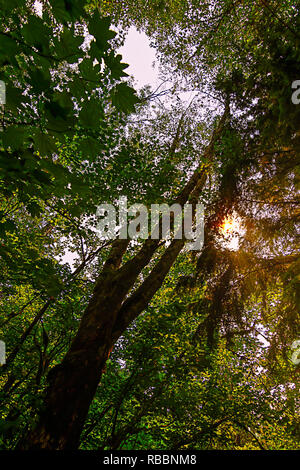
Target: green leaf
[(40, 81), (90, 114), (124, 98), (66, 10), (4, 5), (67, 46), (35, 210), (13, 137), (116, 66), (9, 47), (89, 146), (99, 28), (36, 33), (15, 100), (89, 71), (7, 226), (44, 144)]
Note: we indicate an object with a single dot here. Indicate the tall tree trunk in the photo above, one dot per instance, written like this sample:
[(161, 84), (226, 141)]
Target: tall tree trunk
[(73, 383)]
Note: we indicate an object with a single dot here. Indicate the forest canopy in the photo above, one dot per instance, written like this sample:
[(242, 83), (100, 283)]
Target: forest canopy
[(141, 344)]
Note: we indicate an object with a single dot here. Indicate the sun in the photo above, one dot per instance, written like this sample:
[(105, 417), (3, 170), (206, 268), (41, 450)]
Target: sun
[(231, 230), (229, 226)]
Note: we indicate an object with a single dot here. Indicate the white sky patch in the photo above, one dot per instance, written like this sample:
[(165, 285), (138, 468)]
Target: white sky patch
[(141, 58), (70, 257), (38, 6)]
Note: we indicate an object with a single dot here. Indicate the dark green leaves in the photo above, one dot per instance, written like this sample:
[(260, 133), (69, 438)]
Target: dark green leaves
[(67, 10), (100, 29), (36, 34), (67, 46), (15, 99), (4, 5), (8, 47), (115, 66), (124, 98), (12, 137), (90, 114), (44, 143), (90, 147), (90, 71)]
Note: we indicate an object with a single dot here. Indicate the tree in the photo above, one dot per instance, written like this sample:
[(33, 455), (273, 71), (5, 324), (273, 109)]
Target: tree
[(237, 296)]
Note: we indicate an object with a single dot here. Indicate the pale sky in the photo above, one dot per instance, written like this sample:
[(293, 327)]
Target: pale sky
[(140, 56)]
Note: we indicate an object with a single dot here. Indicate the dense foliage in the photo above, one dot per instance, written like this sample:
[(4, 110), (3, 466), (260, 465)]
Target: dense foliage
[(144, 345)]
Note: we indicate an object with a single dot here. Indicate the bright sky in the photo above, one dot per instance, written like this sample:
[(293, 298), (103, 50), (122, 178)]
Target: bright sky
[(140, 56)]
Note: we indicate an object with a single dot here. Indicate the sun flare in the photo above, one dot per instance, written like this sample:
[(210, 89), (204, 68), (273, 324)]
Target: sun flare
[(231, 230), (230, 226)]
